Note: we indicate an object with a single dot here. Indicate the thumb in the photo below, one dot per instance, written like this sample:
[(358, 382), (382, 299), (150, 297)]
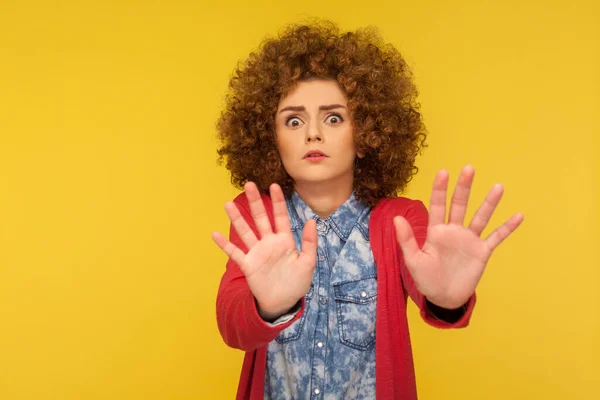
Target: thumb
[(406, 238), (309, 243)]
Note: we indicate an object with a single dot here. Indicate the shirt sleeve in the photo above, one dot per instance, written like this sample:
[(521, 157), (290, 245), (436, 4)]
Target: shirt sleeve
[(287, 316)]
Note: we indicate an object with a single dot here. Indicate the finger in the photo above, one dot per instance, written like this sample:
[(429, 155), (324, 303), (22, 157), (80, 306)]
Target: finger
[(496, 237), (437, 208), (406, 238), (309, 243), (280, 213), (229, 248), (460, 197), (240, 225), (257, 208), (485, 211)]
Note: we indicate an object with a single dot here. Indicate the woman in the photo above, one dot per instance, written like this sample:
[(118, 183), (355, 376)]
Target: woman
[(321, 129)]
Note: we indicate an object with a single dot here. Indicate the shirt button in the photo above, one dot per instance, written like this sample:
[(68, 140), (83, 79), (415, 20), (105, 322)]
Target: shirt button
[(323, 300), (322, 227), (317, 391), (321, 258), (363, 294), (320, 344)]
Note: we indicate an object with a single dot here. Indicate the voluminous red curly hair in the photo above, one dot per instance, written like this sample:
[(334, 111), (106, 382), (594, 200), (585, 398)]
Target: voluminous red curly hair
[(387, 125)]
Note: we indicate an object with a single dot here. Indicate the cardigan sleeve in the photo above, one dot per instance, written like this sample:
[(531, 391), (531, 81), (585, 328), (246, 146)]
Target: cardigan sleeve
[(238, 320), (416, 214)]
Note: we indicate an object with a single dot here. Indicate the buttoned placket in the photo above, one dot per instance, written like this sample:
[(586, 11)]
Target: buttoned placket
[(320, 339)]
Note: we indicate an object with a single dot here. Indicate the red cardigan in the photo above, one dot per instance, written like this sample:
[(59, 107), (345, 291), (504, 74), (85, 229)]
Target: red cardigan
[(242, 328)]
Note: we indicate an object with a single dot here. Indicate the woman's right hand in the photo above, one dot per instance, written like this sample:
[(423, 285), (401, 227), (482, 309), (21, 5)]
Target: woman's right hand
[(277, 274)]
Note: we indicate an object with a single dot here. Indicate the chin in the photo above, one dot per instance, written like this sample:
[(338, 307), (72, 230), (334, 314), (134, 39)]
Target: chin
[(316, 177), (311, 179)]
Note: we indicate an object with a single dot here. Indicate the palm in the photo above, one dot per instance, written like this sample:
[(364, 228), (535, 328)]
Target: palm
[(452, 260), (275, 271), (277, 274)]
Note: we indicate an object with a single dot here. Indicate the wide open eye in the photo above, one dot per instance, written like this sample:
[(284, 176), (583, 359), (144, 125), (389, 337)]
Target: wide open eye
[(293, 122), (334, 119)]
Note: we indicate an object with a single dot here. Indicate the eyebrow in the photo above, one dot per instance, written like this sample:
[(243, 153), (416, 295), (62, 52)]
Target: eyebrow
[(321, 108)]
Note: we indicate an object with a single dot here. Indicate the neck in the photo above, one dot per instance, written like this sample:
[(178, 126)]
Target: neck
[(324, 198)]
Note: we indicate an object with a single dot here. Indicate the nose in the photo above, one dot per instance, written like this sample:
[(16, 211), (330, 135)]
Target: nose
[(313, 133)]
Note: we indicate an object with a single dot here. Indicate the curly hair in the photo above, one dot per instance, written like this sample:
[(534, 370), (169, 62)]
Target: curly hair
[(387, 125)]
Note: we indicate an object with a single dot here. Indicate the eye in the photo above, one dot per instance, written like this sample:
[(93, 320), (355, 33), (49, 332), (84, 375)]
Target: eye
[(334, 119), (293, 122)]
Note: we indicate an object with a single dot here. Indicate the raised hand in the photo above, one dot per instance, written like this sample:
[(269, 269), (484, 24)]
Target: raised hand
[(447, 269), (277, 274)]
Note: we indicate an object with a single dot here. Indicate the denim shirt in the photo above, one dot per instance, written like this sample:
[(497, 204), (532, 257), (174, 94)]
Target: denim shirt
[(329, 353)]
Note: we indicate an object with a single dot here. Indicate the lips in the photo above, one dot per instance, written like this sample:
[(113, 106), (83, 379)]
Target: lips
[(315, 153)]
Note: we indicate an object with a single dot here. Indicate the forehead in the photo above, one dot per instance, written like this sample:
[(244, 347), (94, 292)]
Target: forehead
[(314, 92)]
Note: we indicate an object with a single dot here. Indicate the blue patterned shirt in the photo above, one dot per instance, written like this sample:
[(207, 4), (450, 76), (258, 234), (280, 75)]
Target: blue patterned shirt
[(329, 353)]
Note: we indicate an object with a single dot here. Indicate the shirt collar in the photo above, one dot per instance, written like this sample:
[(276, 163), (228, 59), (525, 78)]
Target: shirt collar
[(350, 214)]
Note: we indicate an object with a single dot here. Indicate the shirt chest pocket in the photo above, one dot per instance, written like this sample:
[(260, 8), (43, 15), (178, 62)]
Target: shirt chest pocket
[(294, 331), (356, 303)]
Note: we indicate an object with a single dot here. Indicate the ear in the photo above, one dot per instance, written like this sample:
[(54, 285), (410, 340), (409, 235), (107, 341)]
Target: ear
[(360, 155)]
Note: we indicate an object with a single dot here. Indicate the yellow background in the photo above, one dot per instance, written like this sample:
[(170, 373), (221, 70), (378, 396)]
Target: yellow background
[(109, 190)]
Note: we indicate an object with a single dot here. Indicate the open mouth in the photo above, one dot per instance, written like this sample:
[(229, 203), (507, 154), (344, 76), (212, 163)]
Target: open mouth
[(314, 154)]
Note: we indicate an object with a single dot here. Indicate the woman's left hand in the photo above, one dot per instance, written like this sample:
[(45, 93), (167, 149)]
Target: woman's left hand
[(447, 269)]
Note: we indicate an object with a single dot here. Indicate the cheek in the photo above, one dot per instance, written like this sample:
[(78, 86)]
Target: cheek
[(283, 146), (347, 142), (278, 140)]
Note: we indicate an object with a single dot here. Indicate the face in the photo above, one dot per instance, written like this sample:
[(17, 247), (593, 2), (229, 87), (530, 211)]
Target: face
[(314, 133)]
